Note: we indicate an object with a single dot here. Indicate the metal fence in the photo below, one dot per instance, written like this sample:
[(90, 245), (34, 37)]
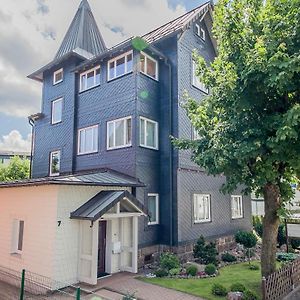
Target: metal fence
[(282, 282), (27, 285)]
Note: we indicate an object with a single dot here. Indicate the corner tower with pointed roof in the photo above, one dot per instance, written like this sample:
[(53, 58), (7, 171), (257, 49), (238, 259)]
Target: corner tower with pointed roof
[(83, 34), (83, 40)]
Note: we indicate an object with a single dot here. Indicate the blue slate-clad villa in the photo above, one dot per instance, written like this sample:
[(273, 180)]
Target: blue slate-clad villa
[(106, 120)]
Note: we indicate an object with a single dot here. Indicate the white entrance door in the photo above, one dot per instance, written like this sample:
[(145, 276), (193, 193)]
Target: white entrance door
[(88, 252), (129, 242)]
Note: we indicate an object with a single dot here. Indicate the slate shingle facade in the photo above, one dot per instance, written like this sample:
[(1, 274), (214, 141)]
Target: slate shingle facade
[(165, 171)]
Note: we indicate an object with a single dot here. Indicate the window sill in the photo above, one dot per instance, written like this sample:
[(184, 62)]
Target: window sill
[(91, 88), (87, 153), (237, 218), (202, 222), (153, 224), (117, 148), (58, 82), (148, 76), (199, 37), (118, 77), (199, 89), (54, 175), (150, 148), (56, 123)]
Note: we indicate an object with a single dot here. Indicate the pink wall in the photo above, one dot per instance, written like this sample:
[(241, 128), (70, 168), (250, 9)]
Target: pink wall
[(37, 206)]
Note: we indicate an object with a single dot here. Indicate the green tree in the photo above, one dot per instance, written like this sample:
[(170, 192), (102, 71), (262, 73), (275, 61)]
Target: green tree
[(249, 125), (17, 169)]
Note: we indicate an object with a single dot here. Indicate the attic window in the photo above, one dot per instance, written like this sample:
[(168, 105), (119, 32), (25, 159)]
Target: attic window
[(200, 32), (90, 79), (58, 76)]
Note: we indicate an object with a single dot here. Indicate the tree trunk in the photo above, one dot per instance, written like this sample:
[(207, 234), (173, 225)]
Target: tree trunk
[(270, 229)]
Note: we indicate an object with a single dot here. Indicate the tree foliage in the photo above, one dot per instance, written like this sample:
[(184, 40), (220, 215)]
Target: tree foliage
[(17, 169), (249, 125)]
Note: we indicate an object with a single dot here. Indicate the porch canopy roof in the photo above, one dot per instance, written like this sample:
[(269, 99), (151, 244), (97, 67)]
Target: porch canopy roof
[(101, 203)]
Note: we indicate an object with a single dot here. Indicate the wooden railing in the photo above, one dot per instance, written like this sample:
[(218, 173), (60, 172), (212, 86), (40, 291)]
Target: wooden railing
[(282, 282)]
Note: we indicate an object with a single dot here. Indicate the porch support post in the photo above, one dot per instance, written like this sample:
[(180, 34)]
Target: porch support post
[(135, 244)]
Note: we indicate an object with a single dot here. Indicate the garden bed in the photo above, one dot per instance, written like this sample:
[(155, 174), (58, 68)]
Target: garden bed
[(202, 287)]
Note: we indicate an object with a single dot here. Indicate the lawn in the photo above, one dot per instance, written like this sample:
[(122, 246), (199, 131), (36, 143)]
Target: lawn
[(202, 287)]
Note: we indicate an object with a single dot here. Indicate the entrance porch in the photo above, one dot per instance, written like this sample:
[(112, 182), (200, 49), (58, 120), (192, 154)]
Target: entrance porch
[(108, 235)]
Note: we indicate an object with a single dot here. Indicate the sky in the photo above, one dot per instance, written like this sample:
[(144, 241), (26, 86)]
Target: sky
[(30, 34)]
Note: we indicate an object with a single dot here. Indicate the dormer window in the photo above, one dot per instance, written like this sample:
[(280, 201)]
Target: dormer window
[(120, 65), (89, 79), (149, 66), (200, 31), (58, 76)]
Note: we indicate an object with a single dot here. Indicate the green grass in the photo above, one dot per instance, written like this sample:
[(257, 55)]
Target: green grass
[(202, 287)]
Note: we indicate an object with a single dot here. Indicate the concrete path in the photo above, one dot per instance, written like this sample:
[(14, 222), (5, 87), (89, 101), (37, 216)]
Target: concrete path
[(123, 283)]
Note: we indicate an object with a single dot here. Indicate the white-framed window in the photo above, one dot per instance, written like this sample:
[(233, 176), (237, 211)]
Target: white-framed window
[(195, 134), (88, 140), (120, 65), (200, 31), (236, 206), (149, 66), (58, 76), (202, 208), (148, 133), (119, 133), (56, 111), (153, 209), (196, 81), (89, 79), (54, 163), (17, 236)]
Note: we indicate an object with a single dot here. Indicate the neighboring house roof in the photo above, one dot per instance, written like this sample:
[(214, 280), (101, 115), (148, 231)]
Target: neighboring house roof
[(83, 33), (80, 34), (101, 203), (104, 177), (14, 153)]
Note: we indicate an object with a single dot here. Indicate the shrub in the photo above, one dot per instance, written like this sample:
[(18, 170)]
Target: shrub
[(210, 269), (249, 295), (257, 225), (247, 239), (227, 257), (286, 256), (295, 243), (254, 267), (237, 287), (206, 253), (129, 296), (281, 238), (161, 273), (218, 290), (169, 261), (174, 272), (191, 270)]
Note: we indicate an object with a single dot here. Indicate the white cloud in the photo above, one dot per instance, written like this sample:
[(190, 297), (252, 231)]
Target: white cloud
[(31, 32), (15, 142)]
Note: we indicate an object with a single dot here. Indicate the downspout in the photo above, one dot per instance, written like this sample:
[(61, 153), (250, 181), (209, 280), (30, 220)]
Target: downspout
[(171, 151), (31, 123)]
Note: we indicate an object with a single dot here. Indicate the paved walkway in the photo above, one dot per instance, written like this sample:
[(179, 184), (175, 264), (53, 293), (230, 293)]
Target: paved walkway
[(123, 283)]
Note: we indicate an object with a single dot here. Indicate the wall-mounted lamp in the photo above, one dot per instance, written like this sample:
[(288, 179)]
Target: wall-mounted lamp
[(59, 223)]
